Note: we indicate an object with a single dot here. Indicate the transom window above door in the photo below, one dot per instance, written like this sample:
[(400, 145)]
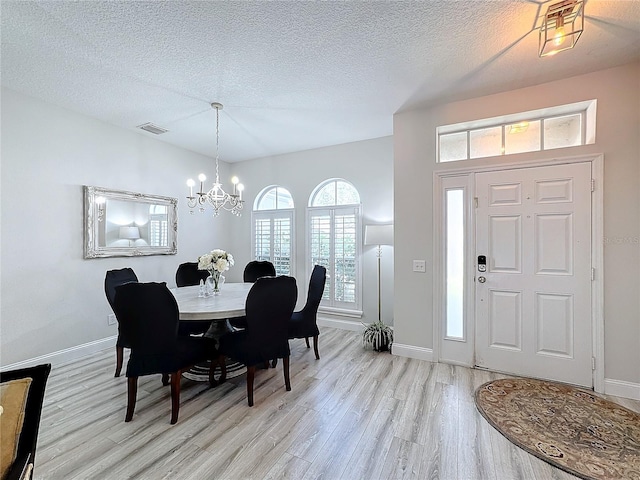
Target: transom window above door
[(545, 129)]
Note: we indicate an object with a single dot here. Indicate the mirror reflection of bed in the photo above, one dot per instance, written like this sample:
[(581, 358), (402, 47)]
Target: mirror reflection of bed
[(120, 223), (129, 224)]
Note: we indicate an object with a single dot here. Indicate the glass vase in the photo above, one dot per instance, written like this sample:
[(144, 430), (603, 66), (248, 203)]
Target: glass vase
[(213, 282)]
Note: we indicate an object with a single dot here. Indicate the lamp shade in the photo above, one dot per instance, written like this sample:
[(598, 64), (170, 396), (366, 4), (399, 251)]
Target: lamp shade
[(378, 235), (130, 233)]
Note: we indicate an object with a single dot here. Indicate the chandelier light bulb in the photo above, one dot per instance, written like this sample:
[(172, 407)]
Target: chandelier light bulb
[(190, 184), (202, 177)]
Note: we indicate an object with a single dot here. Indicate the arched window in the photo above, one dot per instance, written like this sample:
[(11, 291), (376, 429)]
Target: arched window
[(334, 192), (272, 236), (273, 198), (334, 242)]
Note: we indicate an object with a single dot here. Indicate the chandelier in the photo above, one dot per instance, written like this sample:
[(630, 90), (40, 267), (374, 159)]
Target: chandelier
[(561, 27), (216, 197)]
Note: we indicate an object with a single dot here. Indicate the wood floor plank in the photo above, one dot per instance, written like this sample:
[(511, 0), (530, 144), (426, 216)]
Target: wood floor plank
[(287, 467), (402, 460), (369, 456), (353, 414), (336, 452), (417, 406), (269, 446), (474, 445)]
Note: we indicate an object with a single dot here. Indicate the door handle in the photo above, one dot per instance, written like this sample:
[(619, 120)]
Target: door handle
[(482, 279)]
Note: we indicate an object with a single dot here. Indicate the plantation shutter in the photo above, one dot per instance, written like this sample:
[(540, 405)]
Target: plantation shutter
[(333, 244), (320, 247), (272, 239)]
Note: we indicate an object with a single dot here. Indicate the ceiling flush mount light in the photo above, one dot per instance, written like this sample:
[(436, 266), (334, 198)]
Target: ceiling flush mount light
[(216, 197), (561, 27)]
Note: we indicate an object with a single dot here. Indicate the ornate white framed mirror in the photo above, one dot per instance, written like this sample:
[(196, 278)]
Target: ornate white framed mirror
[(118, 223)]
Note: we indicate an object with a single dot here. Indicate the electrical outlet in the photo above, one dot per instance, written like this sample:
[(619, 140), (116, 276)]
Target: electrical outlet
[(111, 319), (419, 266)]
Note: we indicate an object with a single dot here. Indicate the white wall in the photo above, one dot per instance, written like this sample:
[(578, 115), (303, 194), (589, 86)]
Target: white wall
[(368, 165), (53, 299), (618, 138)]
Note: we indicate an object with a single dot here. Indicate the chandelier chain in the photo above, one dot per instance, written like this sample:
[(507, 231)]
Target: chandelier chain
[(217, 142)]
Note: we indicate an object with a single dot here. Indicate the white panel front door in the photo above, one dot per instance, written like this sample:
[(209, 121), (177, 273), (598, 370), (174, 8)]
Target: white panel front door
[(533, 311)]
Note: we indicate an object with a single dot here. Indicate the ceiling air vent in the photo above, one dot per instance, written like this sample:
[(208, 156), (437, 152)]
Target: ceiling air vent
[(151, 128)]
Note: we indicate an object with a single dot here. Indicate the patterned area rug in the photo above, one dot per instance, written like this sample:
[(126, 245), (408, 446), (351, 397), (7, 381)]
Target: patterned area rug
[(569, 428)]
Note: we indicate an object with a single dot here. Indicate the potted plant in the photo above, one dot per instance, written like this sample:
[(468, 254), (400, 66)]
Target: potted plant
[(377, 335)]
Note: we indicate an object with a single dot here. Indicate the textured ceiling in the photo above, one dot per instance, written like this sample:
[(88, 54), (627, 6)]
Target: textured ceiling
[(292, 75)]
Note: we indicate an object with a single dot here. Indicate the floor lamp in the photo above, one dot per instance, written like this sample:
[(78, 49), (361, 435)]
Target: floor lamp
[(378, 235)]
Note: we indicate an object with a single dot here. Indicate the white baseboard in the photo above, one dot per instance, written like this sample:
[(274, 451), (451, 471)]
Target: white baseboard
[(341, 324), (67, 355), (620, 388), (411, 351)]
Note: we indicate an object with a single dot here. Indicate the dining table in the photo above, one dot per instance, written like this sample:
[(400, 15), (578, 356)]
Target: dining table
[(217, 310), (228, 303)]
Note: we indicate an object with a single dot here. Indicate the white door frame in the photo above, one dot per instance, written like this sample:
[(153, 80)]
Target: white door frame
[(597, 253)]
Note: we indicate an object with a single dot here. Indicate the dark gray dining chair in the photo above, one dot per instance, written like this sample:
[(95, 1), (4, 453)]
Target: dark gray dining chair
[(188, 275), (303, 324), (258, 268), (148, 313), (269, 306), (113, 279), (252, 272)]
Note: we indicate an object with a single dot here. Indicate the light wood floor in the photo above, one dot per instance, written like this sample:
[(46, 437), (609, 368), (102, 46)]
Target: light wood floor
[(353, 414)]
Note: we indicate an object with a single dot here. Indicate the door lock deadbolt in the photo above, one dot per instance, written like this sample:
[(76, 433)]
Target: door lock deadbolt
[(482, 263)]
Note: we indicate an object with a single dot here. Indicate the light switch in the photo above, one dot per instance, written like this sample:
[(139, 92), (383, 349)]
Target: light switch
[(419, 266)]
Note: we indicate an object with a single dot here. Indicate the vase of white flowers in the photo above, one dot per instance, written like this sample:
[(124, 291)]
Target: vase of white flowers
[(215, 262)]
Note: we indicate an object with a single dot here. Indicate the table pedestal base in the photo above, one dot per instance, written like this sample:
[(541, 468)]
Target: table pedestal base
[(200, 372)]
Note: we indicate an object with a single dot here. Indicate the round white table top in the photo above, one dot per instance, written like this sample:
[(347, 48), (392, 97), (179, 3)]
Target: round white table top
[(228, 304)]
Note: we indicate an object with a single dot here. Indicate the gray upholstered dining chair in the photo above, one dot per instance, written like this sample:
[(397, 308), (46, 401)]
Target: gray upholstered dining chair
[(148, 314), (113, 279), (252, 272), (258, 268), (188, 275), (269, 306), (303, 324)]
